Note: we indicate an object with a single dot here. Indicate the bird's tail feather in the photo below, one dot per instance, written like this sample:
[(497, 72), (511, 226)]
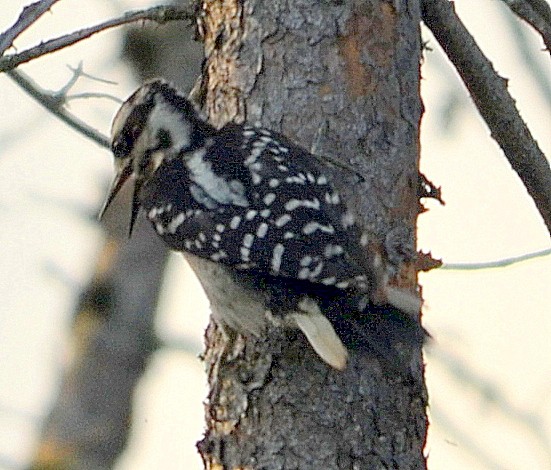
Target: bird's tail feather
[(383, 330)]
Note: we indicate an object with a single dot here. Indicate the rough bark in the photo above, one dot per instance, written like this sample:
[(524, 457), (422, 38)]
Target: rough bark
[(341, 77)]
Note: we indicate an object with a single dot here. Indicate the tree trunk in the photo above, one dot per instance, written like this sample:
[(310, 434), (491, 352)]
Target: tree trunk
[(88, 425), (341, 78)]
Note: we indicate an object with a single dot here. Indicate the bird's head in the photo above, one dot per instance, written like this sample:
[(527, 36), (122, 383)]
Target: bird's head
[(154, 125)]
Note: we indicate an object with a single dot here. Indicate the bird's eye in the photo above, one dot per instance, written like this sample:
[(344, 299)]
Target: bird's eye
[(163, 138), (120, 148)]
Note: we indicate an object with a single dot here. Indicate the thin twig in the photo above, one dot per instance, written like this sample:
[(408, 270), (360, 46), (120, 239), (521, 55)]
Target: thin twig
[(160, 14), (80, 96), (28, 16), (496, 106), (81, 73), (496, 264), (526, 12), (54, 104)]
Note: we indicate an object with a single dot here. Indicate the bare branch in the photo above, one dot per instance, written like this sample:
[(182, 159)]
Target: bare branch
[(81, 73), (160, 14), (80, 96), (526, 12), (496, 264), (54, 104), (496, 106), (28, 16)]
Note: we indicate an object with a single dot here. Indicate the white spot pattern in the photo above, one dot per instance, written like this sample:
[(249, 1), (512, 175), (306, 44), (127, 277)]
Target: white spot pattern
[(306, 260), (235, 221), (220, 254), (277, 255), (293, 204), (303, 273), (295, 179), (281, 221), (264, 162), (245, 253), (262, 230), (248, 240), (332, 198), (269, 198), (256, 178), (251, 214), (316, 271), (311, 227), (175, 223), (332, 250)]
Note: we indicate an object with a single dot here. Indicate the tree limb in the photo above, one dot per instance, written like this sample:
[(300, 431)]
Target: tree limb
[(28, 17), (535, 15), (160, 14), (54, 104), (496, 106)]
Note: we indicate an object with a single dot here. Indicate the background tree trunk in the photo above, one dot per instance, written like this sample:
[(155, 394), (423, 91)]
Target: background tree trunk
[(89, 423), (342, 78)]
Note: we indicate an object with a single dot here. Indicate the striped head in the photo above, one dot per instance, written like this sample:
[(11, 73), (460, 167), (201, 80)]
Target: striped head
[(155, 124)]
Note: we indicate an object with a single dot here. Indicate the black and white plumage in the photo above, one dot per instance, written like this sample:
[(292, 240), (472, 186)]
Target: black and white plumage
[(261, 223)]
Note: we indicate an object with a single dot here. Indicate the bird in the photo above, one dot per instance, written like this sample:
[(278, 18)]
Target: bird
[(264, 226)]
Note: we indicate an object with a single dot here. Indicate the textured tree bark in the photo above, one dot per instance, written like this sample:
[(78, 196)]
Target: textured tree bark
[(342, 78)]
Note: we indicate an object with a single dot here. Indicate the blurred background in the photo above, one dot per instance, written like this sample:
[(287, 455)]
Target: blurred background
[(488, 368)]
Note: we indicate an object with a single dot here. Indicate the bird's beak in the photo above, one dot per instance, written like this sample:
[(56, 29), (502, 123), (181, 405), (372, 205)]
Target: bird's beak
[(135, 205), (121, 178)]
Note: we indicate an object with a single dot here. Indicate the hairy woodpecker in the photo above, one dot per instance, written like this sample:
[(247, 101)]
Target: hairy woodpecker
[(262, 224)]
